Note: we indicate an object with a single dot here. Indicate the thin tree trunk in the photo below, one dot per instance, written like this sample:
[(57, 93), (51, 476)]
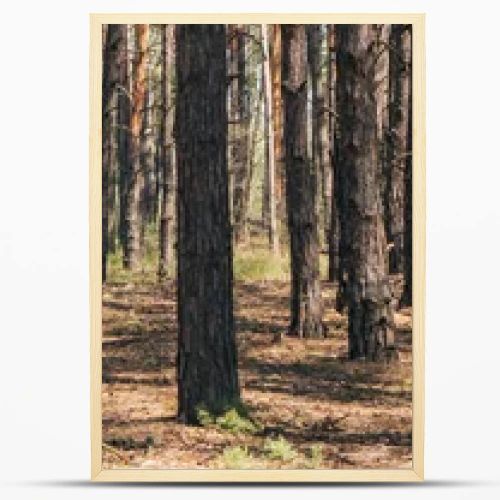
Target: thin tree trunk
[(136, 181), (147, 149), (207, 362), (324, 139), (255, 119), (382, 96), (240, 126), (306, 302), (398, 125), (111, 47), (106, 145), (407, 298), (277, 117), (314, 43), (370, 334), (124, 131), (334, 228), (167, 148), (270, 154)]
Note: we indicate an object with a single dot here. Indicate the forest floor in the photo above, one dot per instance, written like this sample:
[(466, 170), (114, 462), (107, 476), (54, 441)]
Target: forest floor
[(311, 407)]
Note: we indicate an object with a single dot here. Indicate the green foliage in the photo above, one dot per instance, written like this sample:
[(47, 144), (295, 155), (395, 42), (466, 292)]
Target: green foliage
[(279, 449), (237, 458), (147, 272), (316, 456), (233, 418), (232, 421), (204, 417), (260, 264)]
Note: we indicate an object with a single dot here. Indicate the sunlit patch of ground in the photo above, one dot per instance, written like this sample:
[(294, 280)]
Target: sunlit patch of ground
[(333, 413)]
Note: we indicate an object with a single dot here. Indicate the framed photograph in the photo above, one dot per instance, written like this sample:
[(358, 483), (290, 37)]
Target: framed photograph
[(257, 247)]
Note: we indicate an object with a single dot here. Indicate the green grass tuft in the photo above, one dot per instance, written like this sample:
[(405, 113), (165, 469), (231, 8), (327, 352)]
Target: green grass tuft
[(233, 418), (237, 458), (279, 449), (260, 264), (236, 423), (316, 456)]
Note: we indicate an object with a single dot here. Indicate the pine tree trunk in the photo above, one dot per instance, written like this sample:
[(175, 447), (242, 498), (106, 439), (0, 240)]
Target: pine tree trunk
[(270, 170), (147, 153), (314, 44), (398, 125), (123, 131), (334, 229), (106, 144), (306, 303), (407, 298), (382, 96), (207, 362), (239, 118), (166, 148), (368, 297), (136, 180), (110, 79), (275, 61), (255, 119)]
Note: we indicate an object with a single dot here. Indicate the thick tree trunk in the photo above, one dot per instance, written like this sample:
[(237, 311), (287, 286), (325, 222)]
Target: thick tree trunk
[(334, 229), (167, 156), (207, 361), (270, 170), (407, 298), (398, 125), (136, 180), (368, 297), (306, 303)]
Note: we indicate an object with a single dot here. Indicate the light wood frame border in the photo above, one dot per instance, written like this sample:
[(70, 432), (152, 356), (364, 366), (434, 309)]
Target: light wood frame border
[(416, 473)]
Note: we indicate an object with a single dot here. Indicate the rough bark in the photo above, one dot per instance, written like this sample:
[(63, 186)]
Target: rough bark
[(238, 127), (207, 361), (167, 157), (112, 44), (254, 90), (275, 61), (398, 126), (407, 298), (269, 194), (147, 152), (306, 303), (318, 122), (124, 131), (382, 97), (370, 333), (136, 179), (334, 230)]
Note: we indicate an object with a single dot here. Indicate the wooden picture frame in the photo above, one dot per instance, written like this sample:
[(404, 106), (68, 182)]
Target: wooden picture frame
[(303, 476)]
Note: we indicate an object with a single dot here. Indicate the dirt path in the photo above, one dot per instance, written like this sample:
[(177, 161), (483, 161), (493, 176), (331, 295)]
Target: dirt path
[(333, 413)]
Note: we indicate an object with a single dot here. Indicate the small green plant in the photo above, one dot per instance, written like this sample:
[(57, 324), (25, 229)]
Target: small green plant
[(234, 422), (279, 449), (316, 456), (204, 417), (237, 458)]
